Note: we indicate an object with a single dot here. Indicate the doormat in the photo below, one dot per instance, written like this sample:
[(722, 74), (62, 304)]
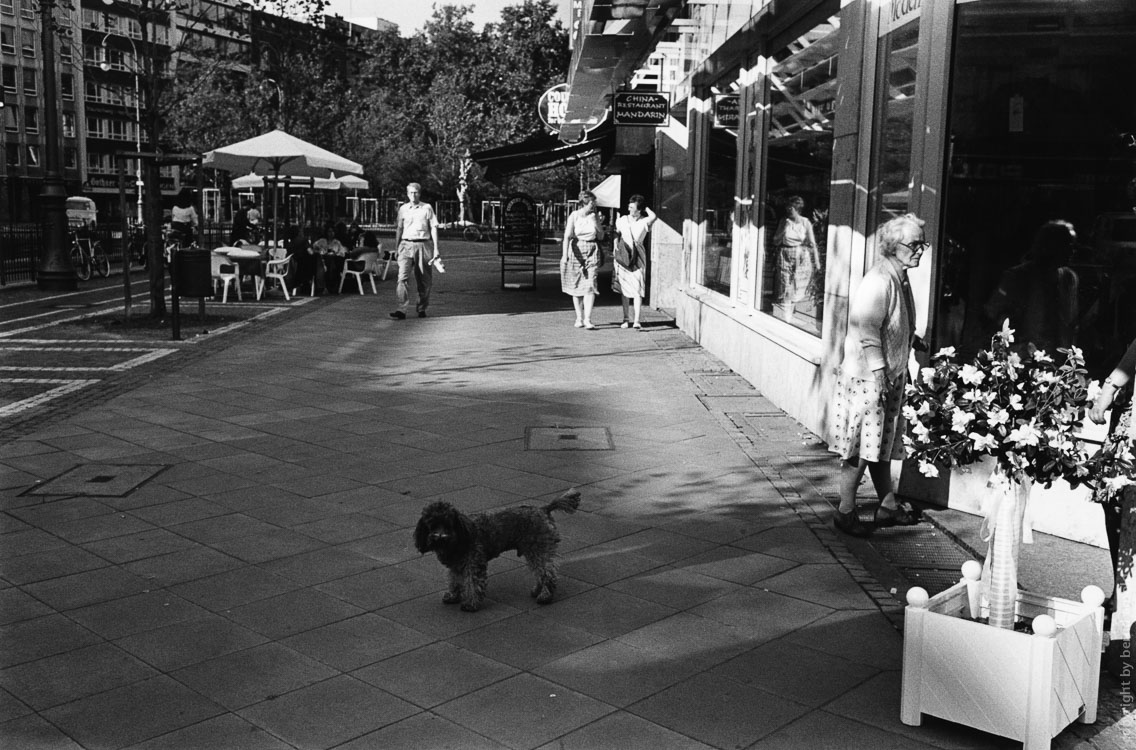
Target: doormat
[(98, 480), (568, 439)]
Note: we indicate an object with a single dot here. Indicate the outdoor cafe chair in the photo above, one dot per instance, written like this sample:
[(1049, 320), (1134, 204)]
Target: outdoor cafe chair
[(225, 272), (366, 264), (275, 269)]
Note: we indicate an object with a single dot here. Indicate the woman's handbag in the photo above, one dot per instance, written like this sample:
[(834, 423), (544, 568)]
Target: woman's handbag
[(625, 255)]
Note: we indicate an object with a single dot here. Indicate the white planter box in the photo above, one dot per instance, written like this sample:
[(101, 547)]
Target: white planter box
[(1013, 684)]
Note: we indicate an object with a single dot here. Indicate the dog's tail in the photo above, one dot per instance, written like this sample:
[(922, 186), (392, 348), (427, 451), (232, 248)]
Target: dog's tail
[(568, 502)]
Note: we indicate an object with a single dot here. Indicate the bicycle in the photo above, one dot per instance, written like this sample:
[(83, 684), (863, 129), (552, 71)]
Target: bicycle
[(479, 233), (87, 255)]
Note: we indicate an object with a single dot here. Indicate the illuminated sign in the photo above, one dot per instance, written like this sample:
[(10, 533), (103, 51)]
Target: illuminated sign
[(553, 106)]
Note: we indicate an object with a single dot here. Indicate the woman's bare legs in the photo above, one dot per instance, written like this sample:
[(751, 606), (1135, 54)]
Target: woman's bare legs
[(578, 304), (589, 302), (851, 472)]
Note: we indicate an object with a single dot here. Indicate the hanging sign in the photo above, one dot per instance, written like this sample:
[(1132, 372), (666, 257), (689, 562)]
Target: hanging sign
[(727, 111), (553, 106), (634, 108)]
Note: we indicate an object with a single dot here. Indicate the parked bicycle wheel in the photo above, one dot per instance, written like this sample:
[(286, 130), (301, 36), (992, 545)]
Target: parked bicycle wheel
[(80, 262), (472, 233), (100, 260)]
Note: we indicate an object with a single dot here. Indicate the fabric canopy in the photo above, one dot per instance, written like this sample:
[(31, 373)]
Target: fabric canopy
[(256, 182), (351, 182), (607, 192), (540, 152), (278, 153)]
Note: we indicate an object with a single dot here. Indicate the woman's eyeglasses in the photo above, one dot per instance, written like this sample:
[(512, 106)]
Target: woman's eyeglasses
[(917, 245)]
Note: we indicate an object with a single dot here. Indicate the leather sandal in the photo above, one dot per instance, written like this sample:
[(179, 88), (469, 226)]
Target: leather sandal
[(898, 516), (851, 524)]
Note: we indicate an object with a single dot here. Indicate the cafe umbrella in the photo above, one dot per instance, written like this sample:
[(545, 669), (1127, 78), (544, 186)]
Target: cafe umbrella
[(276, 154)]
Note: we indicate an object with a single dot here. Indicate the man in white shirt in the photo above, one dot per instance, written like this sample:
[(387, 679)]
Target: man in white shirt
[(416, 237)]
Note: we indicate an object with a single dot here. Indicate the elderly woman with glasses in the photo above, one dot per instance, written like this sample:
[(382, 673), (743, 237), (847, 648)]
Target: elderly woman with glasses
[(867, 422)]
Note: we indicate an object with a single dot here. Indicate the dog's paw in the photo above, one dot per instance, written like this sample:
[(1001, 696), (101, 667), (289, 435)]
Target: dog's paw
[(545, 595), (470, 607), (451, 598)]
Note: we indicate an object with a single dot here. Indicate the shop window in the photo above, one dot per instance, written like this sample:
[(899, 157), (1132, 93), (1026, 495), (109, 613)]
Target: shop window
[(802, 107), (1036, 139), (721, 166)]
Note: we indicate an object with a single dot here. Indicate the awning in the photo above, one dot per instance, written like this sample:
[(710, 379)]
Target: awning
[(607, 50), (607, 192), (540, 152)]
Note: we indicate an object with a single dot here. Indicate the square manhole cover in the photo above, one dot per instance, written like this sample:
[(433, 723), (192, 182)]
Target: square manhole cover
[(568, 439), (98, 480)]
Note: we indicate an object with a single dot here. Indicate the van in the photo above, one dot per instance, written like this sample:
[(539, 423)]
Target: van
[(81, 211)]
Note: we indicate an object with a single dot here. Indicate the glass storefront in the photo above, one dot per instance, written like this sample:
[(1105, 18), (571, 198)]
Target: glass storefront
[(1040, 198), (720, 174), (801, 97), (892, 168)]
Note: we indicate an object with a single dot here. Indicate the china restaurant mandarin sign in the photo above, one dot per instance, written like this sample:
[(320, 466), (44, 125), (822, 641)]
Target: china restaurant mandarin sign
[(631, 108)]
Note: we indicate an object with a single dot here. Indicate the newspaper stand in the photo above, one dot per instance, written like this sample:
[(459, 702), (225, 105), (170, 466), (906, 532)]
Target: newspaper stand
[(519, 240)]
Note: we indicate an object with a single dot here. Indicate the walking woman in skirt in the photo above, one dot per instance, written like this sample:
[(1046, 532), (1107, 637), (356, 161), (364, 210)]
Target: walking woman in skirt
[(631, 282), (580, 259)]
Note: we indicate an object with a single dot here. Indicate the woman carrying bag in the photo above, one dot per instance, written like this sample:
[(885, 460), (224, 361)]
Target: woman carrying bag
[(630, 277)]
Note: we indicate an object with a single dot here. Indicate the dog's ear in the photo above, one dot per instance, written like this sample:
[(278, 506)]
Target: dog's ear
[(422, 535)]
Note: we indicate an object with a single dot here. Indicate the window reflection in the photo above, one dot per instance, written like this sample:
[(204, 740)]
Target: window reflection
[(802, 91), (721, 166), (891, 180), (1041, 145)]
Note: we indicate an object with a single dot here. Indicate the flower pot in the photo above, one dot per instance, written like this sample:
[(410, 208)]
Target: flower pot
[(1026, 686)]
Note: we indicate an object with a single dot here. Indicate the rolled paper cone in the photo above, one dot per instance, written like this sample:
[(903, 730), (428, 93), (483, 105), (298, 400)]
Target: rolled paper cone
[(1002, 557), (971, 575)]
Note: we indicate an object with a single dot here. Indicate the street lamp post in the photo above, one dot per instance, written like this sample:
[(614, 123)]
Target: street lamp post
[(54, 272), (105, 66)]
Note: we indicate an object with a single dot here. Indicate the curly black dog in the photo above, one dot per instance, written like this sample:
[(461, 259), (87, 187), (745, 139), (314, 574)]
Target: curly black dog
[(466, 544)]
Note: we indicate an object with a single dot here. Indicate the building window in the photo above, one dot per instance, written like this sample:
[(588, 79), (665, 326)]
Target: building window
[(33, 156), (12, 154), (9, 78), (27, 9), (801, 112), (67, 87), (890, 193), (1035, 140), (11, 120), (27, 42), (7, 7), (70, 157), (31, 120), (30, 87), (65, 52), (720, 174), (96, 127), (8, 39), (68, 125)]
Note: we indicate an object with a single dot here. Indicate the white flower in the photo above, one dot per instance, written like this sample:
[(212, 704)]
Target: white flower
[(924, 408), (946, 351), (1094, 390), (927, 469), (1016, 402), (909, 413), (971, 375), (928, 374), (998, 416), (1113, 484), (976, 396), (1040, 356), (1007, 333), (922, 434), (1025, 434), (960, 419), (982, 442)]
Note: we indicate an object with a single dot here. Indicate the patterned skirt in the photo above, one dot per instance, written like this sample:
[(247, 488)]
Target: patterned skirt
[(578, 275), (864, 428)]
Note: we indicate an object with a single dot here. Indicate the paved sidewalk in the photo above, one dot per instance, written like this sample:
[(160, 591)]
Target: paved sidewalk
[(221, 556)]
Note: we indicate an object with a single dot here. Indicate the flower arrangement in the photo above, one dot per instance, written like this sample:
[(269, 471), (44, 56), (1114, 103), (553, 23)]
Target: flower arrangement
[(1024, 410)]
